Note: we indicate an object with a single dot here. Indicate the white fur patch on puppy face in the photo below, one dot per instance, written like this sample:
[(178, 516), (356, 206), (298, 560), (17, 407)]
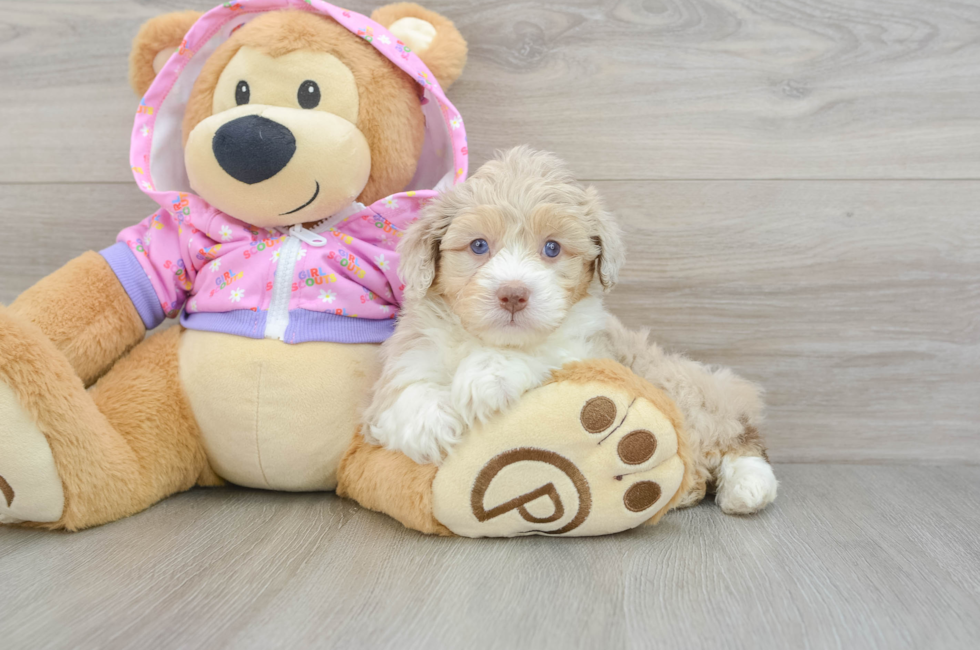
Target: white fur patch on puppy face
[(511, 275)]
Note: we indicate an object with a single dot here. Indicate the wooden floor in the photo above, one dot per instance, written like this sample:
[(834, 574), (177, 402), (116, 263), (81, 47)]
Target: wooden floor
[(800, 185), (849, 557)]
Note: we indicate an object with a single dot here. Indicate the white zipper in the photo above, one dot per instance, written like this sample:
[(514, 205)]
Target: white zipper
[(277, 318)]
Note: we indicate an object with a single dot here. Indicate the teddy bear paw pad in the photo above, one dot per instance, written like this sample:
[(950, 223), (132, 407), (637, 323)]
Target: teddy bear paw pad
[(30, 489), (571, 459)]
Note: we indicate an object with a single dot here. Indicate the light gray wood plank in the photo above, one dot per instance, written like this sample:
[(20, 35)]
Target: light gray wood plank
[(622, 88), (847, 557), (48, 225), (855, 304)]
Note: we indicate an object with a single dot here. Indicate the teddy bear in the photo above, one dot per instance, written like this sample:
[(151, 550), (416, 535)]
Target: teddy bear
[(288, 145)]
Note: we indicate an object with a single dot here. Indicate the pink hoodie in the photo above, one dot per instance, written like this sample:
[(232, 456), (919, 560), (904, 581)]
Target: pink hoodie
[(337, 283)]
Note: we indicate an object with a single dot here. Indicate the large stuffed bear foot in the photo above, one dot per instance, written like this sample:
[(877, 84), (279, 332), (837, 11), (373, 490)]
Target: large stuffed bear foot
[(30, 488), (596, 451), (592, 453)]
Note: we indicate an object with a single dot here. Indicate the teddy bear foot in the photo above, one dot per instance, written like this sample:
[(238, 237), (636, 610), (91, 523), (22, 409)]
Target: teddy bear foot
[(30, 488), (597, 451)]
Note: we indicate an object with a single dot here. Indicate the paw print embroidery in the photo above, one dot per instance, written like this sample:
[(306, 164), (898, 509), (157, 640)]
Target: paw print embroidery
[(635, 448)]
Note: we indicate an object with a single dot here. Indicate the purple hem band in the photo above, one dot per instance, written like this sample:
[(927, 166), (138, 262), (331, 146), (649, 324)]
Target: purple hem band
[(241, 322), (134, 280), (304, 326)]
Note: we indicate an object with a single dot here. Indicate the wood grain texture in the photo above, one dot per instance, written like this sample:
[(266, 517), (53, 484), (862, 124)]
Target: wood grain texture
[(848, 557), (622, 88), (856, 304)]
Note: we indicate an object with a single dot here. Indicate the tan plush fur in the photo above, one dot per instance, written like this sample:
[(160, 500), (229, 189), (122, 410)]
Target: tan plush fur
[(101, 326), (389, 116), (118, 448), (156, 34), (389, 482), (446, 55)]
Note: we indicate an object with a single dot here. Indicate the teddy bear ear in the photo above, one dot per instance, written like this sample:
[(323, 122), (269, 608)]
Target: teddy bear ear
[(157, 39), (432, 37)]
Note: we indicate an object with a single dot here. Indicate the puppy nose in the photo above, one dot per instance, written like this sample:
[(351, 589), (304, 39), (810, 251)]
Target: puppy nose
[(253, 148), (513, 296)]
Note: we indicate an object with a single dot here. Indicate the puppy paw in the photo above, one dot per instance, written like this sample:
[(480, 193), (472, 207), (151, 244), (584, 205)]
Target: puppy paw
[(418, 425), (487, 382), (746, 484)]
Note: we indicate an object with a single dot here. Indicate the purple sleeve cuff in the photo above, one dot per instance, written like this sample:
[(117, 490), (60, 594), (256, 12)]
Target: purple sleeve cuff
[(133, 278)]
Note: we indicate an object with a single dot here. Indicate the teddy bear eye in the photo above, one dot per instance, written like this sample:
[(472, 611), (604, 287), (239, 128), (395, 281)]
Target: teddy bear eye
[(242, 93), (309, 94)]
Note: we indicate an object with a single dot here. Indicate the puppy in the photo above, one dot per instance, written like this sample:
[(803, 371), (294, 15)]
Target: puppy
[(503, 282)]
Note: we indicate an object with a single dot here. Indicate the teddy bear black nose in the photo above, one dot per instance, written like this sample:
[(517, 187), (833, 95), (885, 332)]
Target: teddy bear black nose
[(253, 148)]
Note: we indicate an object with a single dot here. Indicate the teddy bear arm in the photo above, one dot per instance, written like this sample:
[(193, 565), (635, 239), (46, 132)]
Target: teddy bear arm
[(84, 310)]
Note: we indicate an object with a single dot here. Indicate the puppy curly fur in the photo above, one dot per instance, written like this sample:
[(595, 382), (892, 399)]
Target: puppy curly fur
[(460, 353)]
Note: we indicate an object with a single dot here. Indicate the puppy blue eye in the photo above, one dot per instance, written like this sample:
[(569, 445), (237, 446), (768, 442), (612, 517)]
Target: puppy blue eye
[(552, 248), (479, 246)]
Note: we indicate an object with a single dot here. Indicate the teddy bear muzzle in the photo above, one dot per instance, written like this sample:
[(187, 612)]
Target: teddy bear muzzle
[(275, 166), (252, 149)]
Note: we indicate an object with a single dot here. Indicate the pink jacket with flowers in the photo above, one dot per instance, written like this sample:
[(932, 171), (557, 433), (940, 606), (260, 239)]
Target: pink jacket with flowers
[(339, 283)]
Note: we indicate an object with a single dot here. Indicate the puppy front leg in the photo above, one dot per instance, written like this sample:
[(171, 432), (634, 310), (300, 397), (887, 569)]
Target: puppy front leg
[(420, 422), (489, 381)]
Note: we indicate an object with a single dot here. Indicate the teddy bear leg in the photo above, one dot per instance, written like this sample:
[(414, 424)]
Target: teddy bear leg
[(72, 458), (84, 310), (390, 482)]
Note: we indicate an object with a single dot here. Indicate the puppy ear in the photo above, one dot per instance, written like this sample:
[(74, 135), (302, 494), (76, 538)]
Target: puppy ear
[(418, 250), (608, 236), (432, 37), (157, 39)]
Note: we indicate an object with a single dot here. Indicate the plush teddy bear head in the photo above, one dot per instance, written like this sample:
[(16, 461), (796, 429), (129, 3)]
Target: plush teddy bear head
[(294, 116)]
